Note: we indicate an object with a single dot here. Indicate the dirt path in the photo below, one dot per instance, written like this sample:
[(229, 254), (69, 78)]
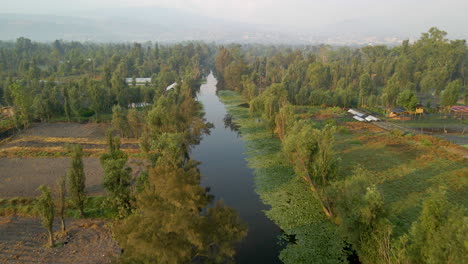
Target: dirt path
[(87, 241)]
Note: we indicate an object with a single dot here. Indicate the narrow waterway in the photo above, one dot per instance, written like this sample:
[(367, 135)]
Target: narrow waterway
[(225, 170)]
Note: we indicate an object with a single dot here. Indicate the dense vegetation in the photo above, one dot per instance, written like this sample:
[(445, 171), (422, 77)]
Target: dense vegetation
[(78, 81), (282, 85), (165, 216), (432, 70)]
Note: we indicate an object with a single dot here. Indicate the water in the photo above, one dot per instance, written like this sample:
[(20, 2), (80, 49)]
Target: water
[(225, 170)]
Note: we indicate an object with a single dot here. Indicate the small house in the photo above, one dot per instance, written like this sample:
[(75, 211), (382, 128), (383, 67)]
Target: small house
[(397, 111), (419, 109)]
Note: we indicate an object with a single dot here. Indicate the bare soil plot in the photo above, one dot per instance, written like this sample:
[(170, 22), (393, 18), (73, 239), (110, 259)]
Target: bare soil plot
[(50, 140), (22, 176), (89, 130), (22, 240)]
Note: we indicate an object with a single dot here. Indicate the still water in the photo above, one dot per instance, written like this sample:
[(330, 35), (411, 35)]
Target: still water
[(225, 170)]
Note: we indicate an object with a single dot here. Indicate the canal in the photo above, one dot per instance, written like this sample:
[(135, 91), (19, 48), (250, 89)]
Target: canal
[(225, 171)]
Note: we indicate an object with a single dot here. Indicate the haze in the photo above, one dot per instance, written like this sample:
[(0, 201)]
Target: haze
[(397, 18)]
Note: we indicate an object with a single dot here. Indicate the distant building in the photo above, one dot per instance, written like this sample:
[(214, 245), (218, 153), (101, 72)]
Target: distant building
[(171, 86), (139, 81), (397, 111), (419, 109), (459, 110)]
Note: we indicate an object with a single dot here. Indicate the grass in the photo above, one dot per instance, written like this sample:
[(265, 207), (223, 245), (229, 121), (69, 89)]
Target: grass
[(404, 167), (294, 208), (95, 207)]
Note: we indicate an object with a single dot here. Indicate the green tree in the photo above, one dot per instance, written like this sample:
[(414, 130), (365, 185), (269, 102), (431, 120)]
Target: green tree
[(62, 191), (311, 152), (120, 121), (45, 208), (284, 120), (117, 177), (407, 99), (439, 235), (77, 178), (22, 102), (391, 91), (134, 121), (365, 88), (451, 93), (169, 225), (269, 103), (360, 207)]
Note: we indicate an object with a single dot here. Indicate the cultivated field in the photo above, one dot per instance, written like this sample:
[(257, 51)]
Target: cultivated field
[(39, 156), (22, 176)]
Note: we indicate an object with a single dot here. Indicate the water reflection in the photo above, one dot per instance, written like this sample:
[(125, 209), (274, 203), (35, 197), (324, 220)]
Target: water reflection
[(229, 123), (176, 221), (225, 170)]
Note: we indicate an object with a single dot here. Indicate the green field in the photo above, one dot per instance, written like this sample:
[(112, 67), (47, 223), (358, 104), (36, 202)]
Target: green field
[(403, 167)]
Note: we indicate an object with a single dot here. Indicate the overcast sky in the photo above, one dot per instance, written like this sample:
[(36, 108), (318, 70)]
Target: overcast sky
[(284, 12)]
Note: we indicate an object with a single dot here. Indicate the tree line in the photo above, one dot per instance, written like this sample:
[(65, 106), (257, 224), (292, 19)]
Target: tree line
[(275, 83), (431, 70), (78, 81)]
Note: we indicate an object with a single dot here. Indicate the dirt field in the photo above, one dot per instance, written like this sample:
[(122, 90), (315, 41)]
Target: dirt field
[(38, 156), (90, 130), (22, 240), (22, 176)]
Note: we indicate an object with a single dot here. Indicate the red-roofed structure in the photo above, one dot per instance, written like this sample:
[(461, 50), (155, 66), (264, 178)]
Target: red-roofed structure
[(459, 108), (459, 111)]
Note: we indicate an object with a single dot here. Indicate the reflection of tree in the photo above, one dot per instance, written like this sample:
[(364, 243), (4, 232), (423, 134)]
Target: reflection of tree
[(172, 224), (229, 123)]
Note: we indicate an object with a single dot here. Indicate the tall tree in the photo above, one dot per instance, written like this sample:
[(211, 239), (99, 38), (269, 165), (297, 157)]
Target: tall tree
[(77, 178), (120, 121), (117, 176), (62, 192), (311, 153), (170, 224), (451, 93), (45, 207)]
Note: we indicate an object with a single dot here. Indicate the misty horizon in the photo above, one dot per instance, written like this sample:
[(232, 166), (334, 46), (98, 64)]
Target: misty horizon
[(302, 22)]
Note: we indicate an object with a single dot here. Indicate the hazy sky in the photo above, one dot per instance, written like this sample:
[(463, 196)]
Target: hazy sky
[(285, 12)]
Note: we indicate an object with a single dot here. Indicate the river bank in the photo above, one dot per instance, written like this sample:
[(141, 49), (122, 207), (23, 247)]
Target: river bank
[(294, 208)]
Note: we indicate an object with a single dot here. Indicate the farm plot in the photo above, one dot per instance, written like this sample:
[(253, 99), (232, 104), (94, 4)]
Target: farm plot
[(39, 155), (51, 139), (23, 240)]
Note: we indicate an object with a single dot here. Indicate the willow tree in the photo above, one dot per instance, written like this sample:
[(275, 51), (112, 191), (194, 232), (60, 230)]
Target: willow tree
[(284, 120), (311, 153), (269, 103)]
